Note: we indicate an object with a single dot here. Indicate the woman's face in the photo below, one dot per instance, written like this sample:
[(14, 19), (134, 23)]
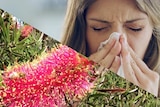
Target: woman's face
[(107, 16)]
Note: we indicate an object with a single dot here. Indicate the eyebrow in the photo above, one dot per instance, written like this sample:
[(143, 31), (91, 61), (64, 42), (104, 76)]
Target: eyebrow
[(104, 21), (99, 20), (134, 20)]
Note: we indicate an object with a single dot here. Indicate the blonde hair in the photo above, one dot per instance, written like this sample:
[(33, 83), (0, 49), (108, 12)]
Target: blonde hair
[(74, 34), (152, 9)]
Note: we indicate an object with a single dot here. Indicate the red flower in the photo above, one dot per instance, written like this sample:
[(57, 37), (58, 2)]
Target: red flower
[(26, 30), (48, 81)]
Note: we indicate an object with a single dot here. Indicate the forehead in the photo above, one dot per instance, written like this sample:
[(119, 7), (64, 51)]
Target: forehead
[(114, 9)]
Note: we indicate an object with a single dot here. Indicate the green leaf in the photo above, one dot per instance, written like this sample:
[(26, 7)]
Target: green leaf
[(16, 35)]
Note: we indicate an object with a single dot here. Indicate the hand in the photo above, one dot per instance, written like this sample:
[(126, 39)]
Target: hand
[(108, 56), (136, 71)]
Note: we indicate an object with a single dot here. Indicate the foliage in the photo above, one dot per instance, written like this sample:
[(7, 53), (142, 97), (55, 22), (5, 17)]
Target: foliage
[(115, 91), (14, 47)]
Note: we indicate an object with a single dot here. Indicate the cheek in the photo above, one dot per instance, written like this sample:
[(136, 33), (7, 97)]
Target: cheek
[(93, 43), (93, 40), (139, 43)]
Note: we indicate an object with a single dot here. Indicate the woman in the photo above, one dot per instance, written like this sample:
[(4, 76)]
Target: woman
[(90, 22)]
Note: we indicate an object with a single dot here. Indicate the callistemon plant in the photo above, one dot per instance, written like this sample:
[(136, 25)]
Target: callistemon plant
[(53, 79)]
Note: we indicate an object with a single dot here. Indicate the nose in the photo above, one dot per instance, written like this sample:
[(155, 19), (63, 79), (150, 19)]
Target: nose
[(118, 28)]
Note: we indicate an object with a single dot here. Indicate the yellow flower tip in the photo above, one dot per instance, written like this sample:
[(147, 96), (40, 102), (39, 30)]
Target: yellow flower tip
[(13, 89), (4, 94), (14, 75)]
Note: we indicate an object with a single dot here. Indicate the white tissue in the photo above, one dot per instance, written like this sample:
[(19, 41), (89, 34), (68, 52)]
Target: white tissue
[(113, 35), (120, 70), (102, 44)]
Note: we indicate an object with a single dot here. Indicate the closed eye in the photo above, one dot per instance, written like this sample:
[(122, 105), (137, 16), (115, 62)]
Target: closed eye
[(136, 29), (99, 29)]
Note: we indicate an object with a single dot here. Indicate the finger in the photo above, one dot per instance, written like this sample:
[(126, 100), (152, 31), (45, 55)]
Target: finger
[(139, 71), (144, 68), (108, 60), (130, 64), (126, 62), (103, 52), (146, 82), (150, 78), (141, 77), (116, 64), (128, 70)]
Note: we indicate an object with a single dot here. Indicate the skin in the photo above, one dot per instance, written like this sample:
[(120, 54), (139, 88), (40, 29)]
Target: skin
[(136, 30)]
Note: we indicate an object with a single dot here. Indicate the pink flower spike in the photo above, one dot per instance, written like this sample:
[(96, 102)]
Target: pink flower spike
[(48, 80)]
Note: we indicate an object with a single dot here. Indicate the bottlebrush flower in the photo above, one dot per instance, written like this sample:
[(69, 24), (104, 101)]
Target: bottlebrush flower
[(53, 79), (26, 30)]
